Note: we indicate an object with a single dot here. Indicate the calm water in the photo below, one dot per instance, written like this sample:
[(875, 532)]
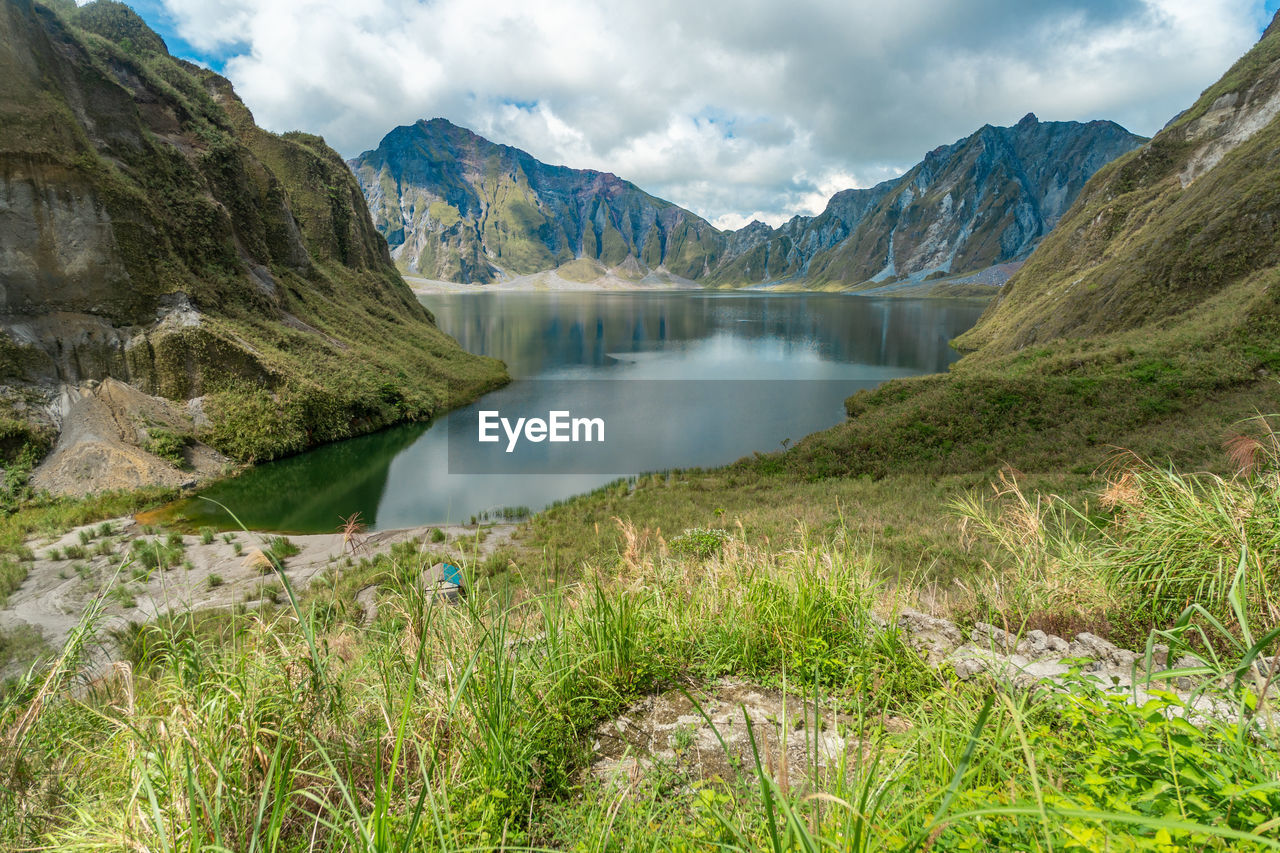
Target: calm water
[(552, 341)]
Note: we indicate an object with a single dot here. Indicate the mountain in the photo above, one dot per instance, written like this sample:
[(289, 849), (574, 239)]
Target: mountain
[(987, 199), (455, 206), (1187, 225), (1144, 326), (153, 236), (786, 252)]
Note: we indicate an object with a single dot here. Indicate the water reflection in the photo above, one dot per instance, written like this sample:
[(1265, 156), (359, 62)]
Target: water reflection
[(400, 477)]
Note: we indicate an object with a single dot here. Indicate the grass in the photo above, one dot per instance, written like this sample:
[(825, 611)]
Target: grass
[(157, 554), (297, 727), (279, 548)]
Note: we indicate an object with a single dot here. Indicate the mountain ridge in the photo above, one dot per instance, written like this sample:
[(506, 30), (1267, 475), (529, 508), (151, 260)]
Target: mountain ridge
[(497, 210), (458, 207), (1182, 220)]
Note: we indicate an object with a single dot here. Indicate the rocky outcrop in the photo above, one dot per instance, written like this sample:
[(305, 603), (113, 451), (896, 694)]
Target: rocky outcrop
[(151, 233), (705, 732), (1167, 229), (1037, 659)]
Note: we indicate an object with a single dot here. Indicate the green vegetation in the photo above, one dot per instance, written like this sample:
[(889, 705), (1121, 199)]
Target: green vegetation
[(168, 445), (342, 741), (12, 574), (279, 548), (306, 333), (699, 543), (157, 554)]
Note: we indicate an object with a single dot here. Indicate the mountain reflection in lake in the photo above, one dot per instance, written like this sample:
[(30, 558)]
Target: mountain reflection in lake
[(399, 477)]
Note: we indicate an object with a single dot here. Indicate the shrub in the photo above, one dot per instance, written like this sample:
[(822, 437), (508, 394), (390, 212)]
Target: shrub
[(154, 554), (12, 574), (437, 535), (168, 445), (699, 542)]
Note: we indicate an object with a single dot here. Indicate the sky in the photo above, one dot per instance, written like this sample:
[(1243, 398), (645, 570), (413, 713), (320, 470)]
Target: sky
[(735, 109)]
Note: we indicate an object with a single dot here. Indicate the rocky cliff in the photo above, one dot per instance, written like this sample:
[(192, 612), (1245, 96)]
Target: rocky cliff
[(987, 199), (1187, 225), (455, 206), (150, 232)]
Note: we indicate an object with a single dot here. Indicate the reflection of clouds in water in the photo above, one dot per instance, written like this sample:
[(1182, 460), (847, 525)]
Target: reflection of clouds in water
[(537, 333)]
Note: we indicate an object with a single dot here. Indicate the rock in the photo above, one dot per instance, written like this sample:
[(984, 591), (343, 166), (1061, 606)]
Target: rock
[(989, 636), (936, 637), (1091, 646), (967, 668), (1035, 644)]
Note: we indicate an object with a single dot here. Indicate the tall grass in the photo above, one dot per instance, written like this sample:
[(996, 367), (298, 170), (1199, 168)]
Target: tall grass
[(472, 726)]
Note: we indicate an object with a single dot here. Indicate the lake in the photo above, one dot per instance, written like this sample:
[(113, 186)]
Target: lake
[(682, 378)]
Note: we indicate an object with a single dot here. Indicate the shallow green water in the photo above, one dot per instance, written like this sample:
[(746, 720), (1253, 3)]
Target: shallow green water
[(774, 368)]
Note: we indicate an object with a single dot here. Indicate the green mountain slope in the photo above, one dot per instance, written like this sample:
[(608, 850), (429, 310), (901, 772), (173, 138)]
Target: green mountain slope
[(153, 234), (1164, 230), (1146, 323)]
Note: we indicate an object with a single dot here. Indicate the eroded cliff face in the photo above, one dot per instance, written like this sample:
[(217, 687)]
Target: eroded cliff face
[(151, 233), (1190, 217), (457, 207), (988, 199)]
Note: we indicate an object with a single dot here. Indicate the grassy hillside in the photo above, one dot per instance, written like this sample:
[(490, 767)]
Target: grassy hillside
[(161, 238), (1163, 229)]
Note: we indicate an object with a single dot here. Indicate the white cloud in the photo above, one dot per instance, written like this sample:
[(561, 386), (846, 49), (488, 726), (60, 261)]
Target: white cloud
[(722, 106)]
